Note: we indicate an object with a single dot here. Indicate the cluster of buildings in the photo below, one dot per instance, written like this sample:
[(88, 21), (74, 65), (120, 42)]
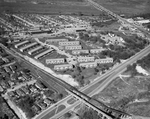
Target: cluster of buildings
[(9, 66), (33, 48), (70, 45), (42, 100), (92, 51), (87, 62), (62, 63), (22, 83), (112, 39)]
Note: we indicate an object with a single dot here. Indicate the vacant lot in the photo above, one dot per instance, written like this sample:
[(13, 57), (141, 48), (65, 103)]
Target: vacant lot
[(130, 94), (127, 7)]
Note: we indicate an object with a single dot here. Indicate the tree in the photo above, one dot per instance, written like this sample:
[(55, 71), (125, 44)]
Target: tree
[(67, 115)]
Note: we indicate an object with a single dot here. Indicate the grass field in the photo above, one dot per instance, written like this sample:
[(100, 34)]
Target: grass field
[(127, 7), (48, 8)]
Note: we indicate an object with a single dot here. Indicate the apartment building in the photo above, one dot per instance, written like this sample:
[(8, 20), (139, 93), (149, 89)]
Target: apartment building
[(55, 61), (103, 61), (77, 52), (69, 43), (74, 47), (94, 51), (86, 59), (88, 65), (63, 67), (55, 40)]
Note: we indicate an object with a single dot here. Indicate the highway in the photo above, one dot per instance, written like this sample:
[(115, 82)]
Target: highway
[(110, 75)]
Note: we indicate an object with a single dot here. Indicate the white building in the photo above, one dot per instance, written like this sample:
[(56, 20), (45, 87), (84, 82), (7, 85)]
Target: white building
[(28, 46), (77, 52), (43, 53), (88, 65), (21, 43), (30, 52), (103, 61), (86, 59), (55, 61), (74, 47), (96, 50), (63, 67), (55, 40), (69, 43)]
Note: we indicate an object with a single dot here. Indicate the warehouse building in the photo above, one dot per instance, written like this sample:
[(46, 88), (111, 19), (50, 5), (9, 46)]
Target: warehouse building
[(43, 54)]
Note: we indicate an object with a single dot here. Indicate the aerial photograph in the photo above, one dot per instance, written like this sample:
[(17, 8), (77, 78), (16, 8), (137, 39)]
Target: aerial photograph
[(74, 59)]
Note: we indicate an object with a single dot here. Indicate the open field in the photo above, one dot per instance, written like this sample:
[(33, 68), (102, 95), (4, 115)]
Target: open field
[(127, 7), (48, 8), (129, 94)]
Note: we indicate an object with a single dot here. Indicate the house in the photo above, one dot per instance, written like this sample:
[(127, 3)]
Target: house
[(36, 108), (88, 65), (20, 92), (63, 67), (69, 43), (39, 85), (77, 52), (93, 51), (25, 89), (55, 61), (74, 47), (1, 89), (103, 61), (47, 101), (11, 93), (85, 59), (42, 105)]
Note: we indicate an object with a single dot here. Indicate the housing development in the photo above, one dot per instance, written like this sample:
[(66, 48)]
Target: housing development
[(67, 65)]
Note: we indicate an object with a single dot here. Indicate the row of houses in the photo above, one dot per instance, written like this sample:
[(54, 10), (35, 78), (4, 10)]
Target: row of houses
[(93, 51), (70, 43), (85, 64), (73, 47), (55, 40), (79, 59)]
